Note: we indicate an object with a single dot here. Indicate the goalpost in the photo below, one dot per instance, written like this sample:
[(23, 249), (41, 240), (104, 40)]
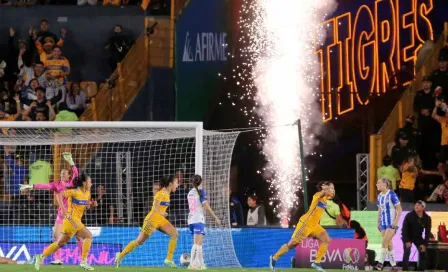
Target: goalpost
[(125, 161)]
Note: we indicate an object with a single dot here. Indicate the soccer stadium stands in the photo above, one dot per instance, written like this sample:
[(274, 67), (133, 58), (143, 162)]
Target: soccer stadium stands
[(131, 75), (416, 140), (20, 98)]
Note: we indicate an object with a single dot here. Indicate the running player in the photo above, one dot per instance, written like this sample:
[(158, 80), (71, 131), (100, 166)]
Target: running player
[(308, 226), (58, 187), (389, 212), (78, 201), (197, 204), (155, 220)]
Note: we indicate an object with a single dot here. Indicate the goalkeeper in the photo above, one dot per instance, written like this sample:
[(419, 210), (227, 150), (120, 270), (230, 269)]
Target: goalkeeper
[(58, 187)]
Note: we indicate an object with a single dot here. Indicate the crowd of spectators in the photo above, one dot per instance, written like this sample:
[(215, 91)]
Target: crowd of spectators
[(417, 165), (34, 76), (34, 84), (159, 7)]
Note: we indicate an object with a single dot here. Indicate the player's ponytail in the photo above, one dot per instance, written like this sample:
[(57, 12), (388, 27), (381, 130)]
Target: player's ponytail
[(196, 180), (166, 180), (79, 181), (323, 183)]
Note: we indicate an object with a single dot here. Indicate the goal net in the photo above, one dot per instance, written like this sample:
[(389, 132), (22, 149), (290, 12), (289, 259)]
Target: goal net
[(125, 161)]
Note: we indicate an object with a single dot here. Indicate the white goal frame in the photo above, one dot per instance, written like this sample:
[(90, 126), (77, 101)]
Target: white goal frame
[(210, 151)]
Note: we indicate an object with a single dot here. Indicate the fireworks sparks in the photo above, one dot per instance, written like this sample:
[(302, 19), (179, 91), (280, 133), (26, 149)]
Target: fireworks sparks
[(280, 73)]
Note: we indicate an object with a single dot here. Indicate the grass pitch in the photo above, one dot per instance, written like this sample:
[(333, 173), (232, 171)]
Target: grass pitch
[(67, 268)]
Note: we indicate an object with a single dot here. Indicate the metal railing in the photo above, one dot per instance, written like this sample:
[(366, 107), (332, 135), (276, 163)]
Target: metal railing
[(152, 48), (362, 180)]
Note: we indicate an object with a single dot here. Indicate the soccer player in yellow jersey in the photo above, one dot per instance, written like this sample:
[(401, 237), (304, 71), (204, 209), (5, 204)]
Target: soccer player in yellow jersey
[(308, 226), (156, 220), (78, 201)]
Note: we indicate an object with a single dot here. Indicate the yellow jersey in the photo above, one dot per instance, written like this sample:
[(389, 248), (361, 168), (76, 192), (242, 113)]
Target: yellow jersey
[(7, 118), (40, 48), (55, 67), (77, 203), (155, 220), (407, 178), (164, 197), (444, 126), (317, 208)]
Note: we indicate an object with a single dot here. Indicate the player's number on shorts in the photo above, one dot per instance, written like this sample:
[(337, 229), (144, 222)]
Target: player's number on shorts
[(193, 204)]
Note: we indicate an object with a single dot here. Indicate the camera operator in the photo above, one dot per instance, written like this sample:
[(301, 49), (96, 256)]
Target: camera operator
[(413, 226)]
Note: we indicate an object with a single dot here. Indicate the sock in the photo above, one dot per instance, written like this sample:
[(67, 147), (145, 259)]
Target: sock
[(128, 249), (193, 255), (282, 251), (383, 252), (197, 260), (391, 254), (50, 249), (46, 186), (321, 252), (85, 249), (201, 256), (171, 248)]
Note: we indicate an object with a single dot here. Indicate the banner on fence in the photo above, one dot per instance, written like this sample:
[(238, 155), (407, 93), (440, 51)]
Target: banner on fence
[(346, 254)]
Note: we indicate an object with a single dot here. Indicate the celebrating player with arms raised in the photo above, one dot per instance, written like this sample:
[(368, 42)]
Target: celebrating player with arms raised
[(389, 212), (308, 226), (58, 187), (78, 201), (197, 203)]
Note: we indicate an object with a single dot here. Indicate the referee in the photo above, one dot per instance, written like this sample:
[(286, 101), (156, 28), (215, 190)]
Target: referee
[(413, 226)]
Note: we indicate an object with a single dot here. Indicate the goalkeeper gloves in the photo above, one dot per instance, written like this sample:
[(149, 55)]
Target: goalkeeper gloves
[(68, 157)]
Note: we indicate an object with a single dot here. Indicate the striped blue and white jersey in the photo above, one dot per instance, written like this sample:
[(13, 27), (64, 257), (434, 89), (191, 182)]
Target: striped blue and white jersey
[(386, 204)]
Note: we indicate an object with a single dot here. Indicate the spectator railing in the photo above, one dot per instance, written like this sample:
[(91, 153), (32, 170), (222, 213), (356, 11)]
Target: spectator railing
[(152, 48), (382, 142)]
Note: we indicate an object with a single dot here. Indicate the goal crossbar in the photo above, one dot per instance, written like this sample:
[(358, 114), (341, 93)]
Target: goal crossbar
[(101, 124)]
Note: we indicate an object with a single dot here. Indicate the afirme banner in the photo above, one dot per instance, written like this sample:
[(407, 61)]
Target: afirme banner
[(203, 50), (346, 254)]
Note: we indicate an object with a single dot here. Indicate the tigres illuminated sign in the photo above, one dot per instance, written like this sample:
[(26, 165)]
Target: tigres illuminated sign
[(367, 47)]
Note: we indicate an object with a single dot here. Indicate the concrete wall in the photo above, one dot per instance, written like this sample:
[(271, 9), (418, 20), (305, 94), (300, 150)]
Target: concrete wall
[(156, 100), (88, 29)]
